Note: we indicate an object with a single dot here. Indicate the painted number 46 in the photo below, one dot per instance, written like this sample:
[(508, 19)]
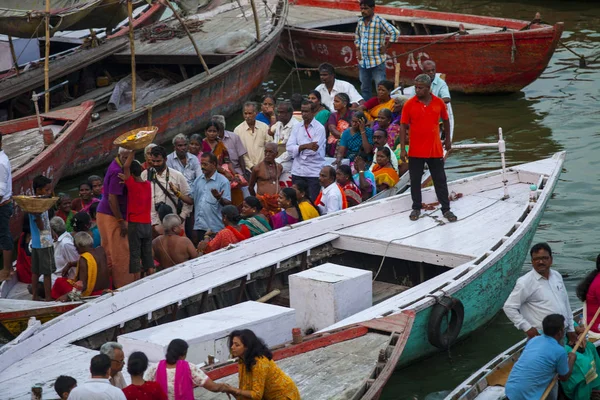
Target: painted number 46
[(414, 62)]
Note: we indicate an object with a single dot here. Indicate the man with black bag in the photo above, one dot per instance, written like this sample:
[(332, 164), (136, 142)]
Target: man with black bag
[(164, 200)]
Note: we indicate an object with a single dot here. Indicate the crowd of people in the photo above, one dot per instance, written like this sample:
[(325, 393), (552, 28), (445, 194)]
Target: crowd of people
[(175, 378), (539, 306)]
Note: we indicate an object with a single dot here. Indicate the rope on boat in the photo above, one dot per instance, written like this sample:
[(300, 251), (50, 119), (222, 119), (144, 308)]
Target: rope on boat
[(582, 60), (513, 49), (165, 32)]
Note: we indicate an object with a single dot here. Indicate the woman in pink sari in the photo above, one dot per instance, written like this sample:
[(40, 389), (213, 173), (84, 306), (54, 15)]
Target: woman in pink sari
[(178, 377), (290, 211)]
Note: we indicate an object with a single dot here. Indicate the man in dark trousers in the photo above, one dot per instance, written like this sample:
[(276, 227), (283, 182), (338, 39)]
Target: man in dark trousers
[(422, 114)]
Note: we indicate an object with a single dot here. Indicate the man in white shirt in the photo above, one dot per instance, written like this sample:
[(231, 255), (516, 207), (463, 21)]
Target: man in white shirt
[(306, 144), (254, 135), (331, 198), (330, 86), (98, 387), (539, 293), (282, 130), (6, 210), (65, 253), (115, 353), (439, 87), (161, 178)]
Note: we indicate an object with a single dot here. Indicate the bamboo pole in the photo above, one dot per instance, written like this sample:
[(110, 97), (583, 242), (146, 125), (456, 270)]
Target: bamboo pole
[(187, 31), (256, 25), (132, 49), (14, 55), (397, 75), (47, 60), (582, 337)]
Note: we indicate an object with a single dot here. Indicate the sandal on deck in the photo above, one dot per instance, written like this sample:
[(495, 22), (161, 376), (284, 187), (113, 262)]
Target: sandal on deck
[(449, 215), (414, 215)]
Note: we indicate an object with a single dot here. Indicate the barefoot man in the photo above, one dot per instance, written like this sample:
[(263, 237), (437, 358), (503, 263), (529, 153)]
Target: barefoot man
[(171, 249), (265, 176), (91, 277)]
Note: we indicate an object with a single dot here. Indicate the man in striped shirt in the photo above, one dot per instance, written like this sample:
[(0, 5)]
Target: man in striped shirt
[(371, 45)]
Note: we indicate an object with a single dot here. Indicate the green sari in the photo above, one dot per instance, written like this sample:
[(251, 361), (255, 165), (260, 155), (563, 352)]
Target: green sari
[(257, 224), (322, 116)]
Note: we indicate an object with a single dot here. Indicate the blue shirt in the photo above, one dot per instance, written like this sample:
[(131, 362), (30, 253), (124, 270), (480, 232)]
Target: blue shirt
[(439, 87), (190, 171), (207, 209), (263, 118), (541, 359), (41, 239)]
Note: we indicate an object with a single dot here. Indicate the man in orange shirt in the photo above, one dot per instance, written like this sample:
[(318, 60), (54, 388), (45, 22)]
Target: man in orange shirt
[(422, 114)]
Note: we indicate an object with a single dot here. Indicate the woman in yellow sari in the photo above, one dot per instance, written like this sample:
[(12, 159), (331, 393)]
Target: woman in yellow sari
[(385, 175), (260, 378), (383, 100)]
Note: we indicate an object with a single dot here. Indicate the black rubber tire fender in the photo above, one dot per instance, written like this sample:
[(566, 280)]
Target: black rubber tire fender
[(439, 314)]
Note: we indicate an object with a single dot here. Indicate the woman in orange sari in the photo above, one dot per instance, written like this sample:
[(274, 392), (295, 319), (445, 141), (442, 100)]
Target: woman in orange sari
[(213, 144), (383, 100), (234, 232), (385, 175)]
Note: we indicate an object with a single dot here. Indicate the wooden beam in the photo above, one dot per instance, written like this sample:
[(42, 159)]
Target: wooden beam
[(47, 59), (242, 289)]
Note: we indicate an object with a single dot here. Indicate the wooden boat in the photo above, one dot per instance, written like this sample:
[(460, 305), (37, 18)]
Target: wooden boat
[(77, 56), (497, 54), (489, 381), (15, 314), (473, 262), (232, 78), (30, 156), (373, 347), (25, 18)]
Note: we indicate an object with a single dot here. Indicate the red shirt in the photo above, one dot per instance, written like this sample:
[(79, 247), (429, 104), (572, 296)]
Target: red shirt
[(150, 390), (139, 201), (424, 121)]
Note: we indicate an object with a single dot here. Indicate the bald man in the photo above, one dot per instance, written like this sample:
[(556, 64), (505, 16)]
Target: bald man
[(332, 197), (171, 248), (439, 87), (265, 176)]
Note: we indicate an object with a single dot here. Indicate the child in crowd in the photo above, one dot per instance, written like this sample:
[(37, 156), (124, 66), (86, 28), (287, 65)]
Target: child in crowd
[(42, 244), (97, 186), (63, 386), (64, 210), (139, 222)]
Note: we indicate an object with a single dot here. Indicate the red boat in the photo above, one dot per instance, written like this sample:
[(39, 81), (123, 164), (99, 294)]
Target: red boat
[(30, 155), (353, 362), (478, 54)]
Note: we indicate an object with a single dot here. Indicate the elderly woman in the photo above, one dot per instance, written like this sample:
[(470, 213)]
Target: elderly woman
[(290, 211), (384, 122), (148, 156), (233, 232), (399, 101), (259, 376), (320, 110), (343, 177), (253, 218), (379, 102), (137, 364), (338, 121), (386, 176), (355, 139), (178, 377)]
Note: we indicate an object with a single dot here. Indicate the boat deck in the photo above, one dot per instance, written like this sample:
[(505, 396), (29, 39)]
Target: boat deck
[(22, 147), (307, 17), (349, 362), (214, 36)]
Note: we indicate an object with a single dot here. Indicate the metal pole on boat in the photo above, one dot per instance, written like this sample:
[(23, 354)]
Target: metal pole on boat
[(14, 55), (187, 31), (256, 24), (132, 50), (47, 59)]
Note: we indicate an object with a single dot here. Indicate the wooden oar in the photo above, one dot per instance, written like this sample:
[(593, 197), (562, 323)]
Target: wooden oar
[(577, 345)]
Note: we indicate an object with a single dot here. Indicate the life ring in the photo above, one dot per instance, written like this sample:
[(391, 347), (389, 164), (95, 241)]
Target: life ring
[(438, 318)]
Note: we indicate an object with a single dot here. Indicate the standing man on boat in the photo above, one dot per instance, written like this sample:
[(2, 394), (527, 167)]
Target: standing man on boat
[(110, 217), (543, 357), (330, 86), (538, 293), (254, 135), (307, 146), (422, 114), (371, 46), (439, 87), (6, 210)]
